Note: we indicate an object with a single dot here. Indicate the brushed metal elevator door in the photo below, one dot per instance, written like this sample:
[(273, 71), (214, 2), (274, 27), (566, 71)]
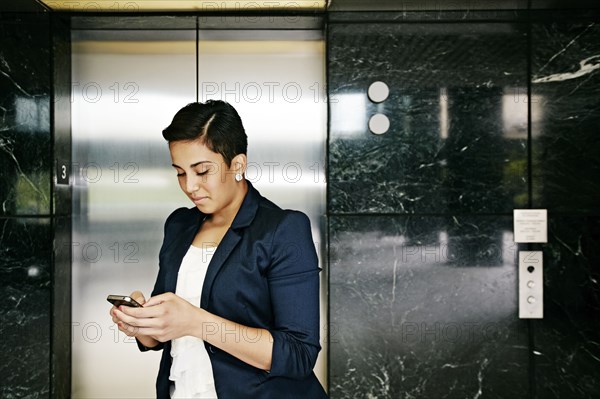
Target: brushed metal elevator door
[(127, 85), (276, 81)]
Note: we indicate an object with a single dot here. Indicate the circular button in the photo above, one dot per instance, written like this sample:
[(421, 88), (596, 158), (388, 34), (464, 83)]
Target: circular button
[(531, 299), (531, 284), (378, 92), (379, 124)]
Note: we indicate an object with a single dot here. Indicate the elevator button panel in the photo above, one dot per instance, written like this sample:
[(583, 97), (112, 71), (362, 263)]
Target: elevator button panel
[(531, 285)]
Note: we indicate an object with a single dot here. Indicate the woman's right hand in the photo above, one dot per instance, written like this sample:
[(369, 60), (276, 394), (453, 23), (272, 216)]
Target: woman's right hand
[(136, 296), (130, 330)]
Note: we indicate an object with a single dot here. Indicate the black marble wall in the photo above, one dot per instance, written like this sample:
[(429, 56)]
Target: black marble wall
[(566, 166), (35, 284), (423, 275)]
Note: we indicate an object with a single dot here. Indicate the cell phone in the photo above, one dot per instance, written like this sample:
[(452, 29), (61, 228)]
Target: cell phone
[(124, 300)]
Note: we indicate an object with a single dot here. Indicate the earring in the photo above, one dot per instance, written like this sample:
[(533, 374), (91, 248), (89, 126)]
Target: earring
[(238, 177)]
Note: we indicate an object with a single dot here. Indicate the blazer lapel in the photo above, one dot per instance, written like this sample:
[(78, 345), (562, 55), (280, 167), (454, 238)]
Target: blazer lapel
[(233, 236)]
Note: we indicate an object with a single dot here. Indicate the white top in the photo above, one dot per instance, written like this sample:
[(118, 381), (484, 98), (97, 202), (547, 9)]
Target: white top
[(191, 369)]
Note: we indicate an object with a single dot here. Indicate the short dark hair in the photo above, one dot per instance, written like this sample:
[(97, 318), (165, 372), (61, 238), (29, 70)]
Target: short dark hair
[(216, 123)]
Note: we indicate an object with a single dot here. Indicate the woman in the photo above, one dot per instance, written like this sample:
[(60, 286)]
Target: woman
[(235, 306)]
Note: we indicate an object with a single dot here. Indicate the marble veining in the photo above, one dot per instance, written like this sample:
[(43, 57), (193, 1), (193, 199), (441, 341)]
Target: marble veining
[(454, 143), (412, 297), (567, 340), (421, 310), (566, 88), (565, 171), (511, 13), (562, 50), (25, 158), (586, 66), (25, 258), (15, 84), (7, 146), (25, 170)]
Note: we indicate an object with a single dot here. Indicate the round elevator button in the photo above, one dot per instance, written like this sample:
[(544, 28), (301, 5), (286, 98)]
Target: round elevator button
[(531, 284)]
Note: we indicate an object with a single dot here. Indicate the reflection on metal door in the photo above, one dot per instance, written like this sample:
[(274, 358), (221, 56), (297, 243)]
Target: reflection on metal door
[(127, 85)]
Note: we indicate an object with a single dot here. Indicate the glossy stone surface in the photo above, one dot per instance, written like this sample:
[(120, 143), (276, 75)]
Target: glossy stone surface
[(565, 148), (35, 271), (25, 157), (458, 136), (25, 272), (567, 340), (425, 307), (421, 251), (566, 102)]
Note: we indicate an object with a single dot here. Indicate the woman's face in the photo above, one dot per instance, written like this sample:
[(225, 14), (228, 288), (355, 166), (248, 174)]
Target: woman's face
[(205, 177)]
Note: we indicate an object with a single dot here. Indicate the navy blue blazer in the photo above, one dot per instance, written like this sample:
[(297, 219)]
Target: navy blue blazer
[(263, 274)]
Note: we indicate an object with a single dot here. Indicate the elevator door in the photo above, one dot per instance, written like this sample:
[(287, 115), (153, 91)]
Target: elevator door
[(127, 85)]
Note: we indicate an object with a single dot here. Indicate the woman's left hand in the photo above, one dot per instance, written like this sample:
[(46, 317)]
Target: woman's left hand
[(163, 317)]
